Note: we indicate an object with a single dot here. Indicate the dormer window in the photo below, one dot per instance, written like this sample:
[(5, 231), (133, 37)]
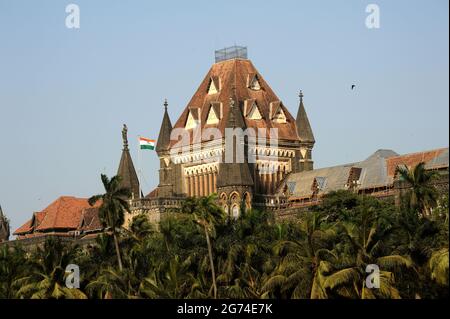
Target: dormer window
[(251, 110), (192, 118), (214, 85), (253, 82), (276, 112), (214, 114), (280, 117)]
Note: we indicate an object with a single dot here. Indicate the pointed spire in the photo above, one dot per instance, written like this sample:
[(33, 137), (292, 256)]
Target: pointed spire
[(126, 168), (303, 127), (4, 226), (164, 133), (234, 174)]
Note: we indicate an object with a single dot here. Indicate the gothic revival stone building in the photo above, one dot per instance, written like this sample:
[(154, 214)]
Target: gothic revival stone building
[(237, 139), (193, 154)]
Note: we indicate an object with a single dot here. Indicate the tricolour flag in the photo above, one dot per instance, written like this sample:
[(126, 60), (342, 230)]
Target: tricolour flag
[(146, 144)]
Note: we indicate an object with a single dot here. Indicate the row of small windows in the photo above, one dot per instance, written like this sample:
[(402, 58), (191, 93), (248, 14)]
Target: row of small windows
[(214, 85), (251, 112)]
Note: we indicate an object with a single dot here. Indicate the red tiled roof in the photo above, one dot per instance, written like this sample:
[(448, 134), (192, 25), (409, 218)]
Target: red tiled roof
[(411, 160), (31, 224), (234, 73), (25, 228), (63, 213)]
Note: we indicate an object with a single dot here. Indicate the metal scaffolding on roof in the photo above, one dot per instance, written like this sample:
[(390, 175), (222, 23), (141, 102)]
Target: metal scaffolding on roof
[(234, 52)]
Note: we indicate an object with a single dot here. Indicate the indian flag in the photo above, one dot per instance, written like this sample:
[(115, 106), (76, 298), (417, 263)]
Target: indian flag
[(146, 144)]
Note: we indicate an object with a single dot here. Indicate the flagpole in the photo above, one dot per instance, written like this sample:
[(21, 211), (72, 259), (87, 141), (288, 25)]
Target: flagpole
[(139, 165)]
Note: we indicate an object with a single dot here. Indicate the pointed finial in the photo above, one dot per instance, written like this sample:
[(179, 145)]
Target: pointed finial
[(300, 95), (125, 137), (165, 104)]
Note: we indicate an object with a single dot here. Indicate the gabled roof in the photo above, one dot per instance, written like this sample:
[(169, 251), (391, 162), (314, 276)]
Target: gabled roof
[(31, 224), (90, 220), (64, 213), (235, 74)]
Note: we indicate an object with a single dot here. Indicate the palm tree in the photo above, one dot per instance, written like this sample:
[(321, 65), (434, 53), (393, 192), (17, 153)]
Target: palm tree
[(423, 194), (366, 230), (244, 254), (438, 265), (48, 272), (298, 272), (172, 282), (114, 284), (141, 227), (206, 213), (114, 203), (13, 264)]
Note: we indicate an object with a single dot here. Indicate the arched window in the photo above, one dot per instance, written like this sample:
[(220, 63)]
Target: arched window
[(235, 211)]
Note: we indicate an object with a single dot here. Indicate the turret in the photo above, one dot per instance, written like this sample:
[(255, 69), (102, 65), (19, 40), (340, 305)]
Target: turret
[(163, 142), (126, 171), (234, 181), (306, 136), (166, 167)]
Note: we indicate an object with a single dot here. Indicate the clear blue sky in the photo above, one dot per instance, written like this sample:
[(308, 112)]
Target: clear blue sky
[(65, 93)]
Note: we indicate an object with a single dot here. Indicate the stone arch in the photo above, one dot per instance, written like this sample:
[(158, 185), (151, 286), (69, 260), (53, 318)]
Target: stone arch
[(235, 196), (235, 211), (223, 200)]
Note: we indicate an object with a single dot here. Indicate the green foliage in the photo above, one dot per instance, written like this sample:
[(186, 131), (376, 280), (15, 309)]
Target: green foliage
[(198, 252), (114, 204)]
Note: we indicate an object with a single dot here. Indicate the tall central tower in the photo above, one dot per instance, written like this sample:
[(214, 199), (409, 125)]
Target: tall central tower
[(233, 95)]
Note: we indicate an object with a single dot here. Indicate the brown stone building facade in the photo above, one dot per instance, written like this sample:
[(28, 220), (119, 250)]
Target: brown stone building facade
[(237, 139), (199, 154)]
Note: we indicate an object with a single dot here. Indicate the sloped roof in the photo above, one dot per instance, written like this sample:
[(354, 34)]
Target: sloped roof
[(90, 220), (412, 159), (233, 76), (376, 171), (439, 161), (35, 221), (63, 213), (334, 178)]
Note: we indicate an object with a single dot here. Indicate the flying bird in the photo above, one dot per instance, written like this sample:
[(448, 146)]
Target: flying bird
[(353, 86)]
